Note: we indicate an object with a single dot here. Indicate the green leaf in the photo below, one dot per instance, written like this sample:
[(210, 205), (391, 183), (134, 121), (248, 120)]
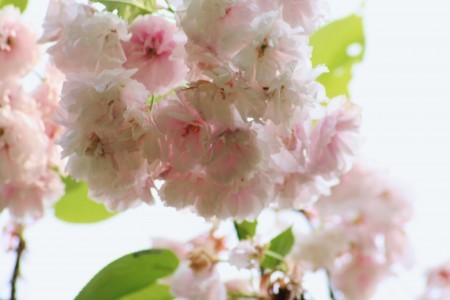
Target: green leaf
[(76, 207), (280, 245), (246, 229), (20, 4), (129, 9), (130, 274), (338, 45), (154, 292)]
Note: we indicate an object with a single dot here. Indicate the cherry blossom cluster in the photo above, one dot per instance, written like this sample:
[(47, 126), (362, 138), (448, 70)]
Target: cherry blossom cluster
[(204, 259), (247, 127), (359, 234), (29, 158), (356, 235)]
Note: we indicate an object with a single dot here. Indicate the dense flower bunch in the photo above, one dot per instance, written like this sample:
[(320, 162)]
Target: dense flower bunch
[(29, 158), (356, 235), (249, 129), (359, 234)]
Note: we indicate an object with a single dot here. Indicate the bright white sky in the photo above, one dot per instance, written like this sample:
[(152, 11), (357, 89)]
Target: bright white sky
[(403, 87)]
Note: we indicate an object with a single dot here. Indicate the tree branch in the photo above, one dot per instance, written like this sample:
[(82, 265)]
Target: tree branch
[(21, 245)]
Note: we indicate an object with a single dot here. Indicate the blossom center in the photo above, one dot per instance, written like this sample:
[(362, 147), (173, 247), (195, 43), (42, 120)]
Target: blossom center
[(95, 147), (7, 41)]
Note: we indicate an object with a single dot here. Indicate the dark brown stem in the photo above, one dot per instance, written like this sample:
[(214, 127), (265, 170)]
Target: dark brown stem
[(330, 286), (16, 272)]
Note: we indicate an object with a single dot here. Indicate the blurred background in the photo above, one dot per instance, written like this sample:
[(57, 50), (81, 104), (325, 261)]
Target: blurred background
[(403, 86)]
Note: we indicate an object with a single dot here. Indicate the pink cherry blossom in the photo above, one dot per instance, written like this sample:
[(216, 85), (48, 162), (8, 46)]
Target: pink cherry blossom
[(240, 200), (29, 200), (308, 14), (321, 248), (234, 155), (275, 48), (105, 119), (244, 255), (18, 49), (61, 13), (190, 285), (156, 51), (90, 43), (185, 135), (359, 278), (335, 138), (438, 283), (23, 146)]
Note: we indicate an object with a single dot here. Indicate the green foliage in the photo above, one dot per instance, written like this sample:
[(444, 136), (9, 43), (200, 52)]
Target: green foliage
[(246, 229), (338, 45), (129, 9), (76, 207), (154, 292), (280, 245), (131, 276), (20, 4)]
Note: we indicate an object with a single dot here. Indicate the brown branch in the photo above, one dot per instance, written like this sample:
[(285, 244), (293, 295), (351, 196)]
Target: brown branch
[(21, 245)]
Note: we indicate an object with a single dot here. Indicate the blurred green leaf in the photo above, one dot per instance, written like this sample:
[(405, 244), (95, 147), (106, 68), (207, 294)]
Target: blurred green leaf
[(338, 45), (130, 274), (129, 9), (246, 229), (76, 207), (153, 292), (20, 4), (281, 245)]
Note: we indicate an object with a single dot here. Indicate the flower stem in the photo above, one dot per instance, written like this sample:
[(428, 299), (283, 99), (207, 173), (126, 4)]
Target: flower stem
[(330, 286), (16, 272)]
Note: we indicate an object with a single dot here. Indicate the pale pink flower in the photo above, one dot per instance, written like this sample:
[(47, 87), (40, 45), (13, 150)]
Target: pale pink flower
[(187, 284), (234, 155), (47, 96), (308, 14), (23, 146), (359, 278), (367, 196), (275, 48), (106, 118), (91, 43), (185, 135), (29, 200), (227, 102), (12, 95), (155, 50), (296, 89), (211, 28), (61, 13), (321, 248), (438, 283), (298, 190), (241, 199), (19, 51), (335, 139), (244, 255)]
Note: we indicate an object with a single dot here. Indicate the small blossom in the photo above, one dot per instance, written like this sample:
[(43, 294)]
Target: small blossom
[(91, 43), (155, 50), (18, 49), (244, 255)]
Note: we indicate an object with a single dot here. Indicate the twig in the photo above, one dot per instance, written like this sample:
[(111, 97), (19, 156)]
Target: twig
[(16, 272), (330, 286)]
